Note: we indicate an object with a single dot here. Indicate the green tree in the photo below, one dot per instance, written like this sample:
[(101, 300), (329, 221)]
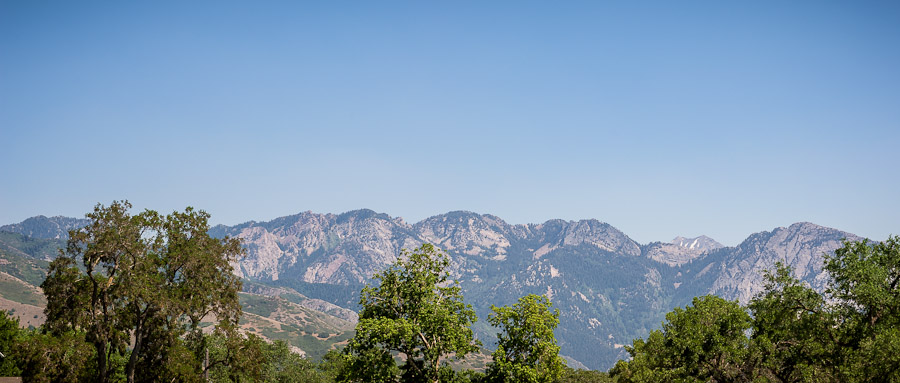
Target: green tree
[(234, 359), (570, 375), (62, 358), (702, 342), (866, 285), (143, 282), (10, 337), (794, 332), (415, 310), (230, 358), (333, 364), (285, 366), (526, 349)]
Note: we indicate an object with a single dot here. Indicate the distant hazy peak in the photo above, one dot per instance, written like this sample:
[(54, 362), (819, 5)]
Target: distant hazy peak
[(702, 243), (809, 227), (461, 217), (46, 228)]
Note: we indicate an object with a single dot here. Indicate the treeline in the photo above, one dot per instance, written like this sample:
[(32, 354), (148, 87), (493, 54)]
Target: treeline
[(41, 356), (152, 298), (788, 332)]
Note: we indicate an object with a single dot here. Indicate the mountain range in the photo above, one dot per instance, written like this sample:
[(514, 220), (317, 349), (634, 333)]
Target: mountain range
[(608, 288)]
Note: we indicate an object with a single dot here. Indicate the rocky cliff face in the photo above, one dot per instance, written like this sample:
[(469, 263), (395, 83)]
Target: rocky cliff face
[(801, 246), (469, 234), (320, 248)]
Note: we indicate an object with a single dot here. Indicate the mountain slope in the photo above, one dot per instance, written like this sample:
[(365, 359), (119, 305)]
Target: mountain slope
[(738, 270)]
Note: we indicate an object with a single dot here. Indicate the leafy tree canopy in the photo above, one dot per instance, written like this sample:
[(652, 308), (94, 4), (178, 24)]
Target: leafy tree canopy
[(866, 285), (704, 341), (415, 310), (793, 331), (137, 284), (526, 349), (10, 336)]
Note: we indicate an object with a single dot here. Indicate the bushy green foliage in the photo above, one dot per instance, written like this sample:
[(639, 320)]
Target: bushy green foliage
[(526, 348), (704, 341), (10, 336), (252, 359), (792, 332), (867, 288), (570, 375), (415, 310), (60, 357)]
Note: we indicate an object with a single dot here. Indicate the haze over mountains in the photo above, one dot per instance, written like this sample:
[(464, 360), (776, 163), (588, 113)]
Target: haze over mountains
[(609, 289)]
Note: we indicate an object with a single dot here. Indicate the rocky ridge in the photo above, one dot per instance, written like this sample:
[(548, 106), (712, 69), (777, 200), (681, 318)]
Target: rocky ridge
[(801, 246)]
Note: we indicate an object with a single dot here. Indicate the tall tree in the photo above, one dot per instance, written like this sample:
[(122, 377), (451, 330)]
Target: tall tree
[(795, 333), (526, 349), (10, 337), (866, 287), (415, 310), (142, 281)]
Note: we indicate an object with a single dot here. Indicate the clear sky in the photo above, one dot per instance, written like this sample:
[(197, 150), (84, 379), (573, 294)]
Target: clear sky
[(661, 118)]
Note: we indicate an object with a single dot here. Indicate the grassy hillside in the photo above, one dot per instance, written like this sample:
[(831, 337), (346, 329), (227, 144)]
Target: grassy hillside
[(18, 244), (313, 332), (21, 272)]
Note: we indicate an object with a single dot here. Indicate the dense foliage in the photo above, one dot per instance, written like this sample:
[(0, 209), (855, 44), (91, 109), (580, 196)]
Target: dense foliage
[(702, 342), (849, 333), (417, 311), (526, 349)]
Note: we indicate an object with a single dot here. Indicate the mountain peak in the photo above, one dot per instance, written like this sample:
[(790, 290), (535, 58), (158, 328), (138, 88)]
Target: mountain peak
[(457, 215), (362, 214), (701, 243), (681, 250), (46, 228), (808, 227)]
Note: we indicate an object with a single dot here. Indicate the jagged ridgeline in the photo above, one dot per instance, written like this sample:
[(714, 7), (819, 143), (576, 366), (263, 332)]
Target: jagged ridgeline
[(608, 288)]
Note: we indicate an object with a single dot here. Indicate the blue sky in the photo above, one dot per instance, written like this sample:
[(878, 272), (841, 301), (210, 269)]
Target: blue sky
[(660, 118)]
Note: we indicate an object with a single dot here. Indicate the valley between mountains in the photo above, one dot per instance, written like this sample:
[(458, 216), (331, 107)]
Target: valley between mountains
[(303, 272)]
